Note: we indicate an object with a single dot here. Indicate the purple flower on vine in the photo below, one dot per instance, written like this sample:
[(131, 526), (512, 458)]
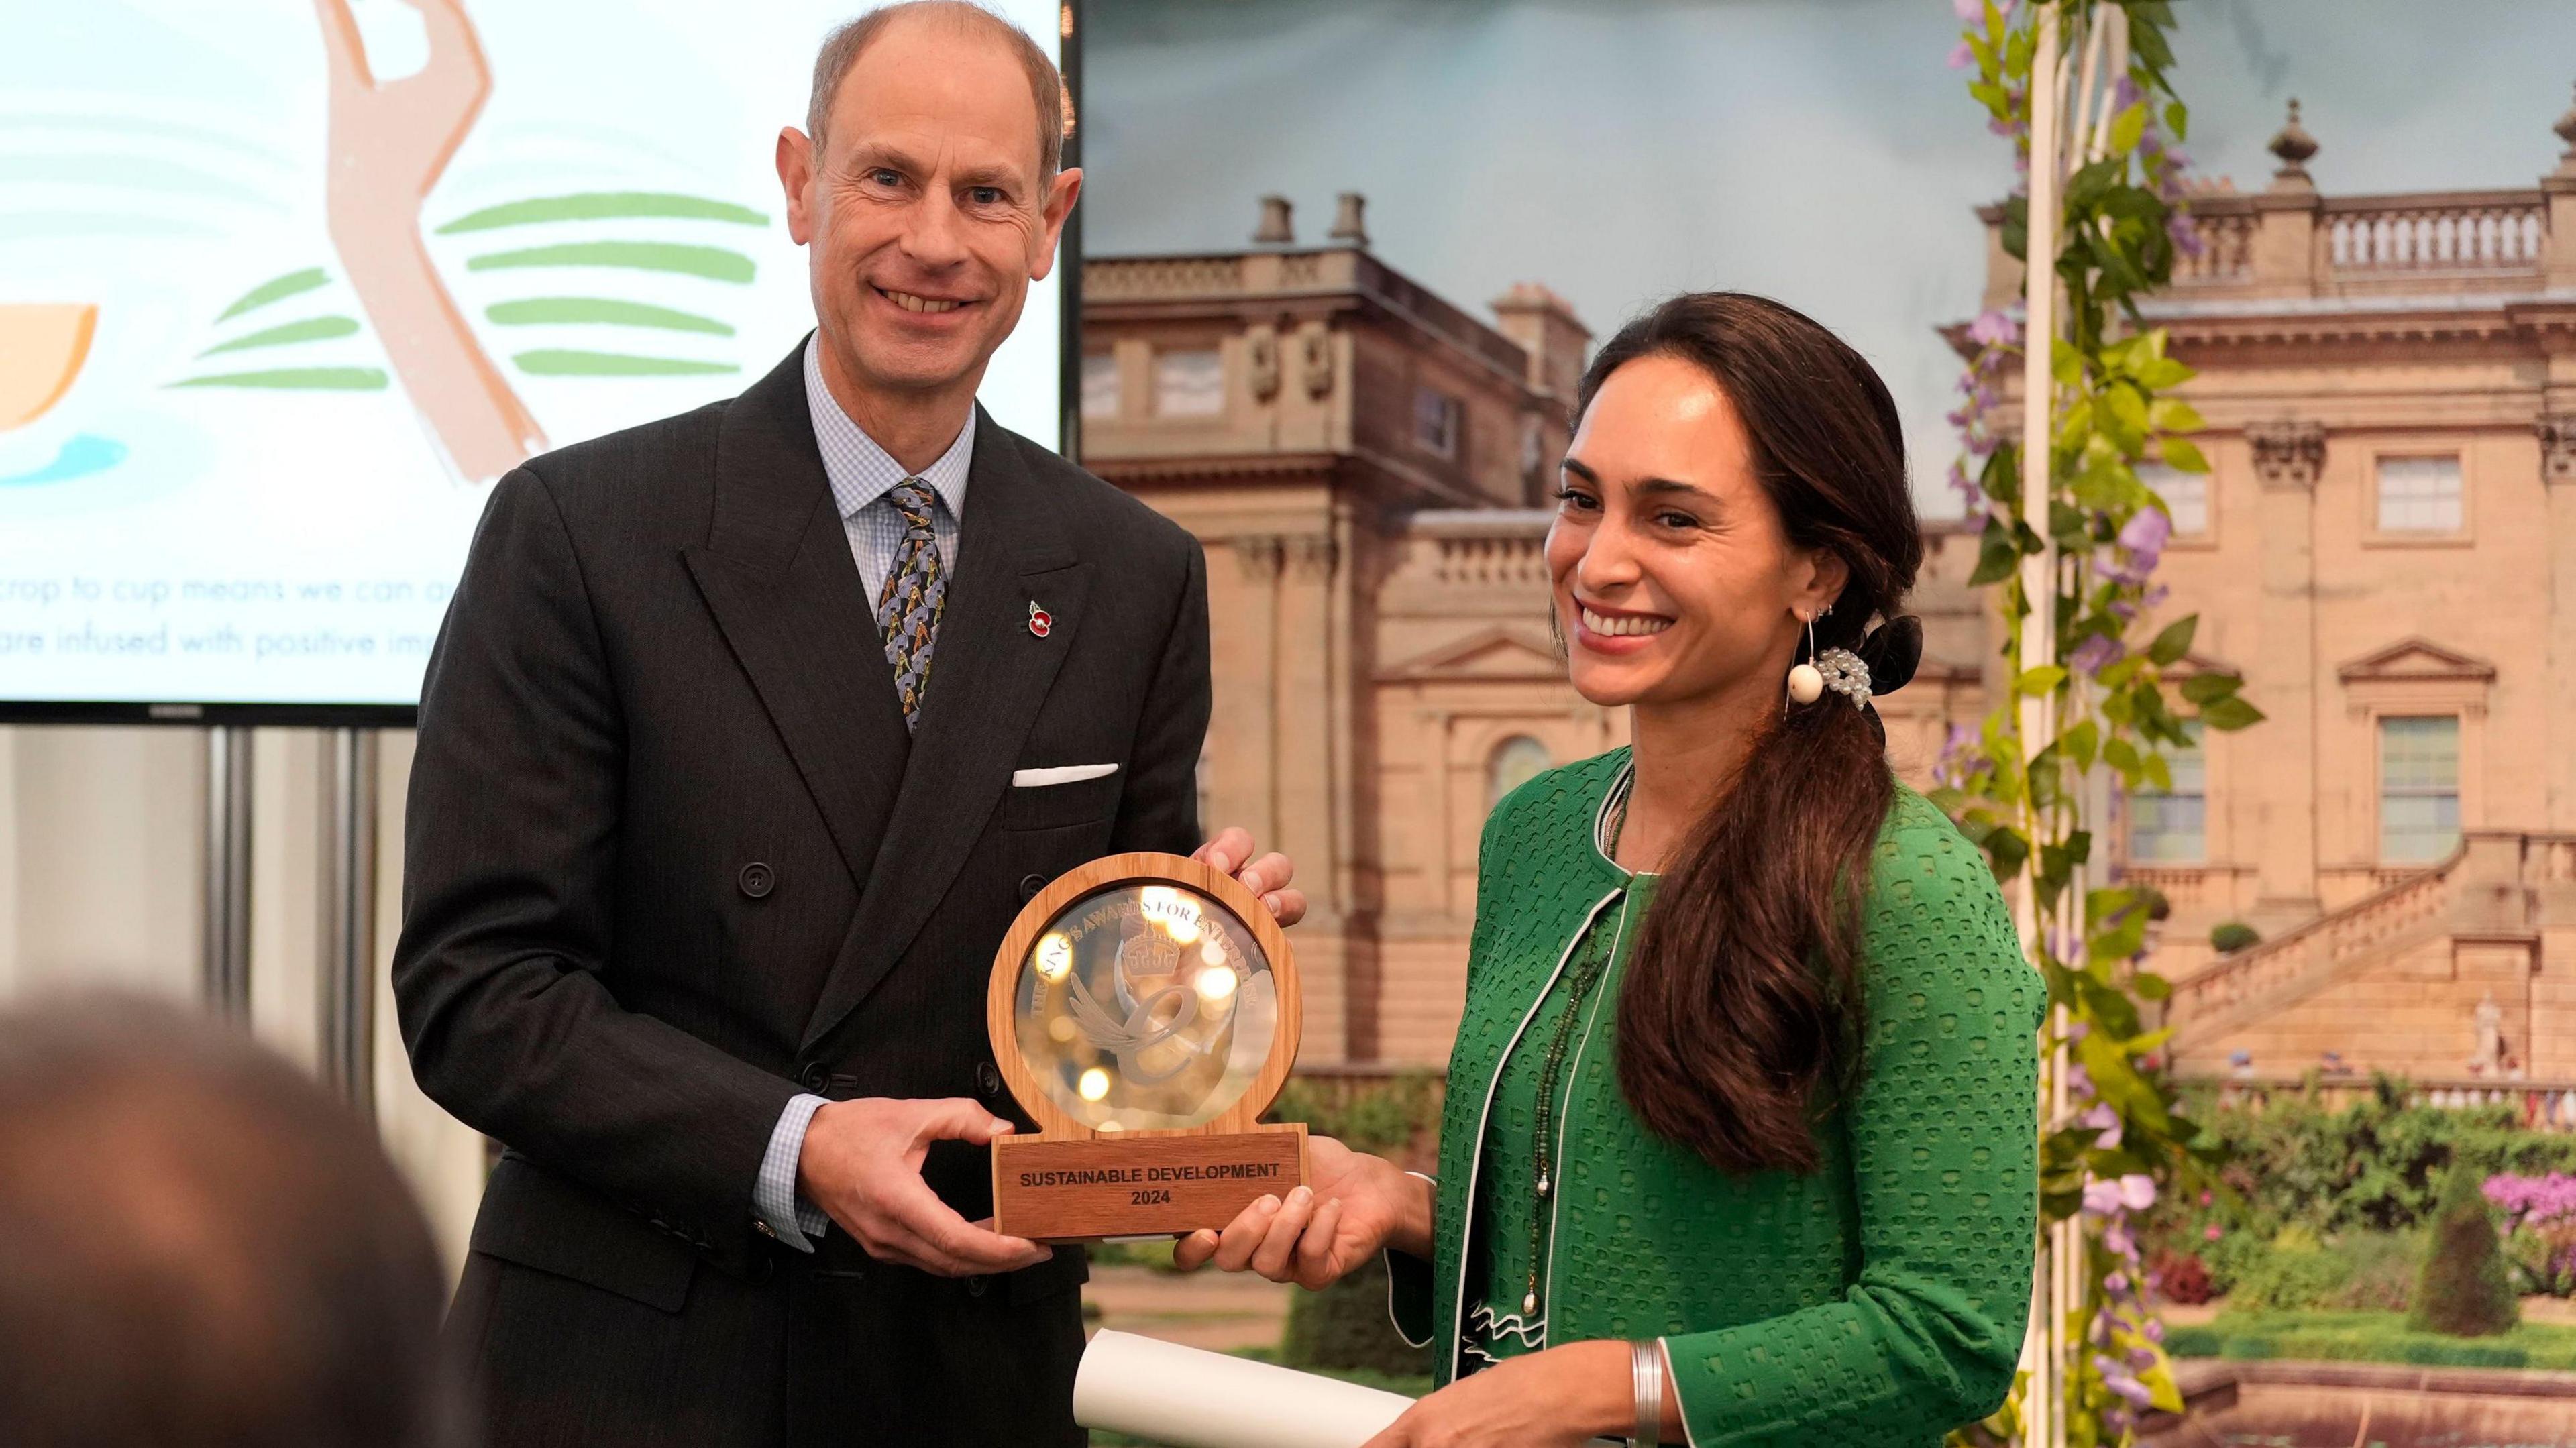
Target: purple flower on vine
[(1961, 55), (2185, 233), (1994, 327), (2117, 1377), (2105, 1121), (2096, 653), (2141, 544), (2134, 1192)]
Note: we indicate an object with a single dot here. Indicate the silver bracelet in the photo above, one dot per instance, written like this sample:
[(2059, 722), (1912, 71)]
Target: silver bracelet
[(1646, 1369)]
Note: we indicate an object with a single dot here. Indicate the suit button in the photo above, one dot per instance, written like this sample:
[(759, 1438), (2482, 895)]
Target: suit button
[(1030, 885), (756, 879), (975, 1286), (988, 1078), (815, 1076)]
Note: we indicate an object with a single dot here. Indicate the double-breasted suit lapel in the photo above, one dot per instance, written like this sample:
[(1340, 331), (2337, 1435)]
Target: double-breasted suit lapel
[(777, 574), (903, 808), (988, 677)]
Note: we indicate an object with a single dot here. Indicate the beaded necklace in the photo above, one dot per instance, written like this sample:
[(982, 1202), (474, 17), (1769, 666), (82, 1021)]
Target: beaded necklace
[(1596, 963)]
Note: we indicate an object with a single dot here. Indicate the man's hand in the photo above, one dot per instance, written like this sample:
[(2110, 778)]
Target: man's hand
[(862, 1165), (1266, 877)]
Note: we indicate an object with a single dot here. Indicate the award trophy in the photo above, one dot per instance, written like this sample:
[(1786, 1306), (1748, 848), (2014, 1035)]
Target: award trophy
[(1144, 1011)]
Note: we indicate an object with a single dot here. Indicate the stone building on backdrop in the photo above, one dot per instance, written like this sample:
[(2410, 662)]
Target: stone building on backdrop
[(2386, 550), (1369, 467)]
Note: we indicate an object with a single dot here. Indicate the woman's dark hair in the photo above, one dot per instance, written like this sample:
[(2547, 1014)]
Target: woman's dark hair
[(1742, 998)]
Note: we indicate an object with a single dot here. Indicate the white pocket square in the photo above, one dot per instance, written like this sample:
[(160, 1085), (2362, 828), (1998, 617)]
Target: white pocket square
[(1059, 774)]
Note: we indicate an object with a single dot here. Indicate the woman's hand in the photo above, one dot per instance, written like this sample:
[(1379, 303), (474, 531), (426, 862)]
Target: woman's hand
[(1559, 1398), (1355, 1205)]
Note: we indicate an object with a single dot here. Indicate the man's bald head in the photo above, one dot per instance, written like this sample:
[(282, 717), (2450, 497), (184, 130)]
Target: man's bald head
[(843, 47), (198, 1246)]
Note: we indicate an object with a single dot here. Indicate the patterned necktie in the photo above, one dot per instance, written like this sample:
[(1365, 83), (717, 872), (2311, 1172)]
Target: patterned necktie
[(916, 590)]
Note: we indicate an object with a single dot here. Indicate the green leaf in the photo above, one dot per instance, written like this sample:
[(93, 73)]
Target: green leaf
[(2183, 456), (1997, 554), (2230, 714), (604, 205), (275, 289), (2157, 773), (2110, 1008), (2127, 127), (2117, 1081), (310, 329), (2070, 526), (2177, 119), (2151, 986), (2041, 680), (2175, 642), (2209, 688), (2160, 373), (2008, 850), (2172, 414), (2081, 743)]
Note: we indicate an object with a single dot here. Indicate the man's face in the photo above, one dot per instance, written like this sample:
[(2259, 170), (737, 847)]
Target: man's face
[(923, 211)]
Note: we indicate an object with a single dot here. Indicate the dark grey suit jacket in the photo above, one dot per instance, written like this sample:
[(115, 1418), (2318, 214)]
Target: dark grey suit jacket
[(671, 859)]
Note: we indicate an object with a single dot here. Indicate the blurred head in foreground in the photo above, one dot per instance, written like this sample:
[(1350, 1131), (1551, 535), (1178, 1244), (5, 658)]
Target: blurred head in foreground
[(199, 1247)]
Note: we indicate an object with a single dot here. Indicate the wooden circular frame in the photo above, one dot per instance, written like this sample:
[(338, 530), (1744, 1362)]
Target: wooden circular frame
[(1140, 868)]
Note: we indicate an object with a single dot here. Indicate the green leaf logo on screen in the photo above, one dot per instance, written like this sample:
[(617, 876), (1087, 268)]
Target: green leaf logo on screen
[(665, 285), (636, 336)]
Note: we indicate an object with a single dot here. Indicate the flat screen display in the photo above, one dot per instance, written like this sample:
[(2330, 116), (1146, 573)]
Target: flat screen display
[(284, 287)]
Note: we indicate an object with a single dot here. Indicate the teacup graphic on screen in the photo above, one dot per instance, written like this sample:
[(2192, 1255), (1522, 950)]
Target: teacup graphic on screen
[(43, 346)]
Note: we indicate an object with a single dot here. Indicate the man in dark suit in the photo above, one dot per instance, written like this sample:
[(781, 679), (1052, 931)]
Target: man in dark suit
[(748, 733)]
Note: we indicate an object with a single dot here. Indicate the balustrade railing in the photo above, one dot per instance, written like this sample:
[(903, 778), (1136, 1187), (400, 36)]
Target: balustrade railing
[(2319, 945), (1492, 562), (2226, 247), (2488, 233)]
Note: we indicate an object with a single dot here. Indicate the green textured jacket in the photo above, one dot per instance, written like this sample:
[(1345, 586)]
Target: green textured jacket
[(1879, 1301)]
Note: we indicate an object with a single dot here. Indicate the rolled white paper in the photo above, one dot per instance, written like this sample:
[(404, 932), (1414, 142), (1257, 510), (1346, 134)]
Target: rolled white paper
[(1187, 1397)]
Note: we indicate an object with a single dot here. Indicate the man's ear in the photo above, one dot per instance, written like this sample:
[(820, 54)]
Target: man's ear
[(795, 176), (1058, 205)]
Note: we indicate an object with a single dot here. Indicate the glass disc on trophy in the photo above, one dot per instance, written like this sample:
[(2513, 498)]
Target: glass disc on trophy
[(1145, 1007)]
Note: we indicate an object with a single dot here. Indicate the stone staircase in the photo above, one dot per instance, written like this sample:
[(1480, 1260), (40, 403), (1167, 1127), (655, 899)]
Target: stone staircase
[(2496, 884)]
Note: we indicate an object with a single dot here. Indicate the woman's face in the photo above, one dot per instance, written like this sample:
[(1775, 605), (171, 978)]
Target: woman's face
[(1673, 579)]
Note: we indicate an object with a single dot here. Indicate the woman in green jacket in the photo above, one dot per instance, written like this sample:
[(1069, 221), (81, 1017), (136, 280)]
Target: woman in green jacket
[(1740, 1142)]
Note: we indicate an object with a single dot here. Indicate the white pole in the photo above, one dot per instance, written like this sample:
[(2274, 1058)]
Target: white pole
[(2043, 1352)]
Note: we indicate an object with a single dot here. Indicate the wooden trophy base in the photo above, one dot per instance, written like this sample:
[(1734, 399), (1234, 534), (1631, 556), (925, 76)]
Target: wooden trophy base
[(1079, 1189)]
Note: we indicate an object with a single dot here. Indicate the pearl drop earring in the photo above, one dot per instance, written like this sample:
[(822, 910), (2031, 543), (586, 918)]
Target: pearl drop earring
[(1806, 682)]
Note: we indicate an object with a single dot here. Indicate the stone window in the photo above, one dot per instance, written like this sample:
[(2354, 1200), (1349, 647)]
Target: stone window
[(2170, 826), (1436, 416), (1099, 385), (2420, 495), (1189, 382), (2186, 496), (2419, 787), (1516, 761)]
